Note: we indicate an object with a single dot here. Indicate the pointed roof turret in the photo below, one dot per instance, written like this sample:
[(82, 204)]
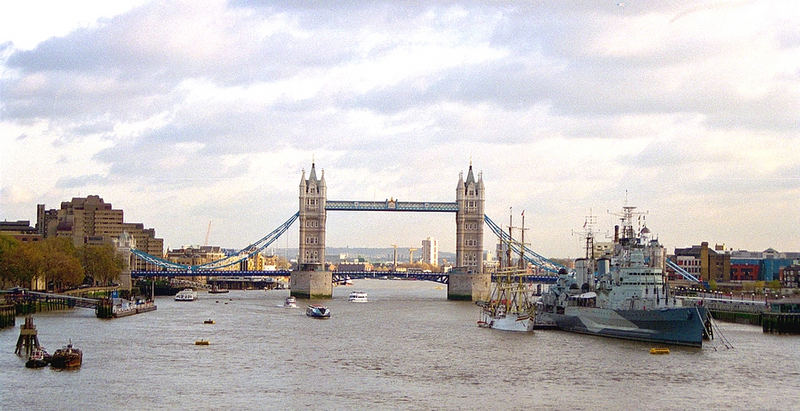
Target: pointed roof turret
[(470, 177), (313, 175)]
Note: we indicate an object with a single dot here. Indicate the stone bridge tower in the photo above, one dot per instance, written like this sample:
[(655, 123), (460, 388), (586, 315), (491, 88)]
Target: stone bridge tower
[(469, 222), (311, 280), (468, 281)]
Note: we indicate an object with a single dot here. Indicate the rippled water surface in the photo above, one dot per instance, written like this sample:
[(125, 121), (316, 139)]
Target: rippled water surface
[(407, 348)]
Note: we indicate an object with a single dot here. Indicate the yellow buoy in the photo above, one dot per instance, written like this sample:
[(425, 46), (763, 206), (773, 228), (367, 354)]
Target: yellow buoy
[(659, 351)]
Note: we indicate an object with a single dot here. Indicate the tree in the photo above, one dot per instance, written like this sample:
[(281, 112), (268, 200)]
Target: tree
[(774, 285), (63, 270), (7, 246), (101, 263), (60, 265)]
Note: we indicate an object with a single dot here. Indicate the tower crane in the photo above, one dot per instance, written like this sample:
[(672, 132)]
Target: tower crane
[(411, 254), (208, 231)]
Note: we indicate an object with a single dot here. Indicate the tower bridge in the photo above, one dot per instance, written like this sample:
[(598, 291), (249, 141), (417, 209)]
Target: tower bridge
[(466, 282)]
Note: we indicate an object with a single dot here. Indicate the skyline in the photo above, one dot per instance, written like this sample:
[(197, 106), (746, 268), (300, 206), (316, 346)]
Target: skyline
[(181, 113)]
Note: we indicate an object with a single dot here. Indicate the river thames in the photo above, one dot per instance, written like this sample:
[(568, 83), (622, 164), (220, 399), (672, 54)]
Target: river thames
[(408, 348)]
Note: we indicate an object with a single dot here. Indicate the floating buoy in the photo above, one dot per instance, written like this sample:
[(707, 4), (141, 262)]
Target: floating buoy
[(659, 351)]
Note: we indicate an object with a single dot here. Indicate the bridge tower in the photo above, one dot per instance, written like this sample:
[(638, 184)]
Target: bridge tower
[(468, 281), (311, 280)]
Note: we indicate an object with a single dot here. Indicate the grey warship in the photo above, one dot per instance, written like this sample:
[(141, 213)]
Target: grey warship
[(625, 295)]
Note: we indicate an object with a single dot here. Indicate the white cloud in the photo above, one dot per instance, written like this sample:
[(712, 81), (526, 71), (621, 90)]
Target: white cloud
[(184, 112)]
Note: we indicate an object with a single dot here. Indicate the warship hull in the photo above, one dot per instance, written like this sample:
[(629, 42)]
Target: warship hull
[(676, 326)]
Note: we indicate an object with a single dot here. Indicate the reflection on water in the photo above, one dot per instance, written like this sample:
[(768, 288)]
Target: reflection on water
[(407, 348)]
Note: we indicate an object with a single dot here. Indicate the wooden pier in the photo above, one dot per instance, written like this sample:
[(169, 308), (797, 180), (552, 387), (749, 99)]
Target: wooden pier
[(28, 340), (781, 323), (7, 315)]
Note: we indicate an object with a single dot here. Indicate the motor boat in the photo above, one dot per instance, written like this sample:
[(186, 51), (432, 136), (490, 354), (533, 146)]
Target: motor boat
[(358, 297), (290, 302), (318, 311), (67, 357), (186, 294), (38, 358)]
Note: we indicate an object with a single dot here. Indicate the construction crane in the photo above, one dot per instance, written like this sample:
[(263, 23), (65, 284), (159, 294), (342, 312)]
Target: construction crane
[(208, 231), (411, 254)]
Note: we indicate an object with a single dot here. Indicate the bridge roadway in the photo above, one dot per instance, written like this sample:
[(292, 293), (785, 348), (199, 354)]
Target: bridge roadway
[(338, 276)]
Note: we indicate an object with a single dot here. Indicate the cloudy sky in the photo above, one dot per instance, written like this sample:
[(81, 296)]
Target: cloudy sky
[(181, 113)]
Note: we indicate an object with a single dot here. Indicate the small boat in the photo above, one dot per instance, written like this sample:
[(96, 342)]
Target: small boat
[(358, 297), (217, 290), (187, 294), (201, 342), (318, 311), (39, 358), (659, 350), (67, 357), (290, 302), (208, 321)]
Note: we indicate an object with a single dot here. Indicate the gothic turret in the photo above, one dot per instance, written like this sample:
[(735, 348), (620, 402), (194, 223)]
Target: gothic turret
[(469, 221), (313, 195)]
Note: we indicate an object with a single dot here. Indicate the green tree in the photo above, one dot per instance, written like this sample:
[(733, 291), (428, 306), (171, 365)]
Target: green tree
[(774, 285), (101, 263), (60, 265), (21, 262), (7, 246)]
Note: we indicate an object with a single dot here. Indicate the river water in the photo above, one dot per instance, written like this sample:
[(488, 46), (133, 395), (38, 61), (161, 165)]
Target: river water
[(408, 348)]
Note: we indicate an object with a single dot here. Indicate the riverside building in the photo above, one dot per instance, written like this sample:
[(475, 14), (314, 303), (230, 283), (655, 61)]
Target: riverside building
[(90, 220)]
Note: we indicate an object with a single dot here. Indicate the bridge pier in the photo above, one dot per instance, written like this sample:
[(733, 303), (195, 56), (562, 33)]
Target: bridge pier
[(311, 284), (469, 286)]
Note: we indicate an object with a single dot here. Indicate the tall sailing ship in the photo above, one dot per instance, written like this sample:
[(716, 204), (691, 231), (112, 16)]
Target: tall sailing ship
[(510, 307)]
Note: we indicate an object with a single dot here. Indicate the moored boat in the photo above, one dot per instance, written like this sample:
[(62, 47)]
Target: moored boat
[(358, 297), (318, 311), (38, 358), (627, 298), (67, 357), (509, 307), (187, 294)]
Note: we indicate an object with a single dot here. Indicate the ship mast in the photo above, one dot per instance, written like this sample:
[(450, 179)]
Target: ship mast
[(522, 264), (626, 220), (510, 238)]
